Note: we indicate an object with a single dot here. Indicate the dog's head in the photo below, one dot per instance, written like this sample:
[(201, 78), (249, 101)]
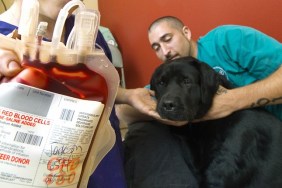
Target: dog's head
[(184, 88)]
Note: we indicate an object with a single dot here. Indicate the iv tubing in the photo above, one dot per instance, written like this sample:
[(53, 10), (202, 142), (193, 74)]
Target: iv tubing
[(64, 12), (28, 20), (86, 30)]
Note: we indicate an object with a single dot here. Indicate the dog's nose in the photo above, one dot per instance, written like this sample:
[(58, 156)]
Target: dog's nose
[(169, 105)]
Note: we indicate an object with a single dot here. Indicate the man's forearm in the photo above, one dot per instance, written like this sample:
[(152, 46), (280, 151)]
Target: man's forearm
[(261, 93), (122, 97)]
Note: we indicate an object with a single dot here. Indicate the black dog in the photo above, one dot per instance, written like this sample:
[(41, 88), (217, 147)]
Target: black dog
[(243, 150)]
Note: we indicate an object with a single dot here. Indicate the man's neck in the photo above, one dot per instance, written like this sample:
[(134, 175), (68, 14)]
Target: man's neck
[(194, 49)]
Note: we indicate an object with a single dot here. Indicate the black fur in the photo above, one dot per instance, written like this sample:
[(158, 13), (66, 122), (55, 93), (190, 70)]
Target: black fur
[(243, 150)]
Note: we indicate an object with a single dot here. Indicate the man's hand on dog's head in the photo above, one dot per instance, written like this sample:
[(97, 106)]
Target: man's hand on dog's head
[(145, 102), (141, 99)]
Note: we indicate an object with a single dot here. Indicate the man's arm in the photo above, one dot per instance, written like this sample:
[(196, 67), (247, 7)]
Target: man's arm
[(264, 92)]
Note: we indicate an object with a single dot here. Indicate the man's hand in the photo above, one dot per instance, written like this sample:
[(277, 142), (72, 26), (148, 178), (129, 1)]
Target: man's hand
[(11, 71), (143, 105), (9, 65), (141, 99)]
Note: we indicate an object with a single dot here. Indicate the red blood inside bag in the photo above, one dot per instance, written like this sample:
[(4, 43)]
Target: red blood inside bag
[(75, 81)]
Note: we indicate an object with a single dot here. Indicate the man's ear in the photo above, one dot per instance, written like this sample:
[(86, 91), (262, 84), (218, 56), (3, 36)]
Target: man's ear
[(187, 33)]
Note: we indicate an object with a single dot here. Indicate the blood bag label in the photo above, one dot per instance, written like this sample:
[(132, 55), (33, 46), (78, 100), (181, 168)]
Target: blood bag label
[(44, 136)]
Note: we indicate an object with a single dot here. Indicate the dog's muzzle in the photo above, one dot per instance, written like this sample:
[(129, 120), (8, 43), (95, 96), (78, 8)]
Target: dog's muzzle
[(172, 108)]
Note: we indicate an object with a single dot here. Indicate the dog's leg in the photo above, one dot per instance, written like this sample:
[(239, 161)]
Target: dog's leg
[(235, 164), (224, 172)]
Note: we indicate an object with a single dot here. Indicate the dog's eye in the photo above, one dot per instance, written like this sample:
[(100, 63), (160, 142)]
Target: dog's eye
[(161, 83)]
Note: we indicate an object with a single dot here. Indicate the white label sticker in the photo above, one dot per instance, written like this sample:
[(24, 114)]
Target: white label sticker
[(44, 136)]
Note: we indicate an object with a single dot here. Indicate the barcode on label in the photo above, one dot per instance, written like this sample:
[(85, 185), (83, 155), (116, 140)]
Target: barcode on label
[(28, 138), (67, 114)]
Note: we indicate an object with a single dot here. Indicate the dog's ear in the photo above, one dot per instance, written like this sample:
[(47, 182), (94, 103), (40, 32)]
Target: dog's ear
[(155, 78), (210, 82), (153, 81)]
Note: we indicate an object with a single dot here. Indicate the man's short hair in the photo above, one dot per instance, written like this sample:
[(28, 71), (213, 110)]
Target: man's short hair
[(173, 21)]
